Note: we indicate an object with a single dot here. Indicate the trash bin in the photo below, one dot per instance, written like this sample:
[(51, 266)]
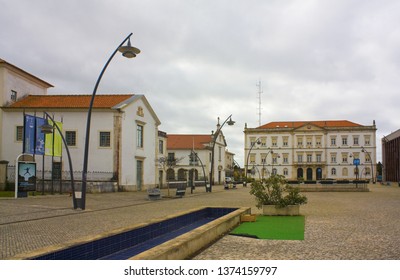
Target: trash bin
[(208, 188)]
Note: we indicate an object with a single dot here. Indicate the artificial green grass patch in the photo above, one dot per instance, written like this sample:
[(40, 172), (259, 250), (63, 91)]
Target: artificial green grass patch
[(273, 227)]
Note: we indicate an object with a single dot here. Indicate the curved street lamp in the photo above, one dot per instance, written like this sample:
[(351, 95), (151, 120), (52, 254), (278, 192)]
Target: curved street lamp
[(193, 153), (48, 128), (230, 122), (258, 142), (129, 52), (372, 166)]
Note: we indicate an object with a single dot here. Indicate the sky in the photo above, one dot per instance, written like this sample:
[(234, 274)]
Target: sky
[(202, 60)]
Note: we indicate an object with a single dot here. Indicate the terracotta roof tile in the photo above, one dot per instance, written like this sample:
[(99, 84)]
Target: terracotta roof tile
[(296, 124), (188, 141), (70, 101)]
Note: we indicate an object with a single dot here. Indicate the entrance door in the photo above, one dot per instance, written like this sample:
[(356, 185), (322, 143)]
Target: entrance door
[(139, 174), (309, 174), (319, 173), (299, 172)]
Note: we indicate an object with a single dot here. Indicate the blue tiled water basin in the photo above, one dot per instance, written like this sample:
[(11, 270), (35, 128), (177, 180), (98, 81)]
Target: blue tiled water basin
[(129, 243)]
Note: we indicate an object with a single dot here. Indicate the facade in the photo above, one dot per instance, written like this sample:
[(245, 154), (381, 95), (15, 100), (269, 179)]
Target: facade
[(197, 168), (124, 137), (391, 157), (312, 150)]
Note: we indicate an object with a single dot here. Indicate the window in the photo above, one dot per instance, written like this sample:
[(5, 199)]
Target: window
[(193, 158), (299, 158), (285, 141), (319, 157), (285, 158), (105, 139), (252, 141), (171, 157), (333, 171), (344, 140), (333, 158), (263, 141), (70, 138), (344, 158), (318, 142), (309, 158), (309, 142), (139, 136), (161, 146), (19, 133), (367, 140), (252, 158), (345, 172), (355, 140), (299, 142), (274, 141), (285, 172), (263, 158), (333, 141), (13, 95)]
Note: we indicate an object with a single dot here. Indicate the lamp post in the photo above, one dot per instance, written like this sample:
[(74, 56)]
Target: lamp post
[(372, 166), (129, 52), (47, 128), (258, 142), (192, 155), (230, 122)]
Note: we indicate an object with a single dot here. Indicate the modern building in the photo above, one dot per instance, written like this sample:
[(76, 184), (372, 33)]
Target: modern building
[(391, 157), (312, 150), (124, 136)]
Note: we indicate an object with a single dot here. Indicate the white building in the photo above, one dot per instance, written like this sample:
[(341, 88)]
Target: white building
[(312, 150), (124, 139), (180, 147)]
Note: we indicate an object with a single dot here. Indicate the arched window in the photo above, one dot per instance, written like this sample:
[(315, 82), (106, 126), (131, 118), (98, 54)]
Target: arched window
[(285, 172), (345, 172), (170, 174), (333, 171), (181, 174)]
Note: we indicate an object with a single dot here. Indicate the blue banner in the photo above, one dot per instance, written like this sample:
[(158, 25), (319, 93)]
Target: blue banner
[(40, 137), (29, 134)]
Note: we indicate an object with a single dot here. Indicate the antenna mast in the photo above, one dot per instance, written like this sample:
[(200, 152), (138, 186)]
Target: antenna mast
[(259, 101)]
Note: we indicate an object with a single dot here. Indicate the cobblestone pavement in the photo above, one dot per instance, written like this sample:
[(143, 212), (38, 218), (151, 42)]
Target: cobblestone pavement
[(339, 225)]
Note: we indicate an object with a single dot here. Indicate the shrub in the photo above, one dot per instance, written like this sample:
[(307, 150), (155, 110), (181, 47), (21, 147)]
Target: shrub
[(276, 191)]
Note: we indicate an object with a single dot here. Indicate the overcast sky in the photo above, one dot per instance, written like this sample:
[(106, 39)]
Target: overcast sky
[(203, 59)]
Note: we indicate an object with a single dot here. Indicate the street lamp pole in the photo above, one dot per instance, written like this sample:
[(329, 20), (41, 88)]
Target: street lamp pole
[(129, 52), (230, 122), (49, 129), (372, 166)]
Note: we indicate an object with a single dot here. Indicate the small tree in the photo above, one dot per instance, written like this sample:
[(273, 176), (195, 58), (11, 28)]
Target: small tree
[(272, 191)]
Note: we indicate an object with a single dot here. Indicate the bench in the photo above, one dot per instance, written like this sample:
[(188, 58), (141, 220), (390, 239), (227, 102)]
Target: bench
[(180, 190), (154, 194)]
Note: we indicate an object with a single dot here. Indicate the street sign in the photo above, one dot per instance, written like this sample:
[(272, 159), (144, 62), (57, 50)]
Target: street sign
[(356, 161)]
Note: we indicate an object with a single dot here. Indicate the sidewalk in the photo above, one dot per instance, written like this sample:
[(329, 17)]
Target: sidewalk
[(338, 225)]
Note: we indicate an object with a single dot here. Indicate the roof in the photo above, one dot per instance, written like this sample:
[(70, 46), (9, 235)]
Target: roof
[(188, 141), (70, 101), (297, 124)]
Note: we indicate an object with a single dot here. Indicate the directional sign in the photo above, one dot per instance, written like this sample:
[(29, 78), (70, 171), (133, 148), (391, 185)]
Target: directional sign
[(356, 161)]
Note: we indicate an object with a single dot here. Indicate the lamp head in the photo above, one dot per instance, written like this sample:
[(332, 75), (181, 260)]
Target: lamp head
[(129, 51), (230, 122), (46, 128)]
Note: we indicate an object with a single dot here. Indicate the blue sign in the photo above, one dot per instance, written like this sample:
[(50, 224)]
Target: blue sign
[(356, 161)]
